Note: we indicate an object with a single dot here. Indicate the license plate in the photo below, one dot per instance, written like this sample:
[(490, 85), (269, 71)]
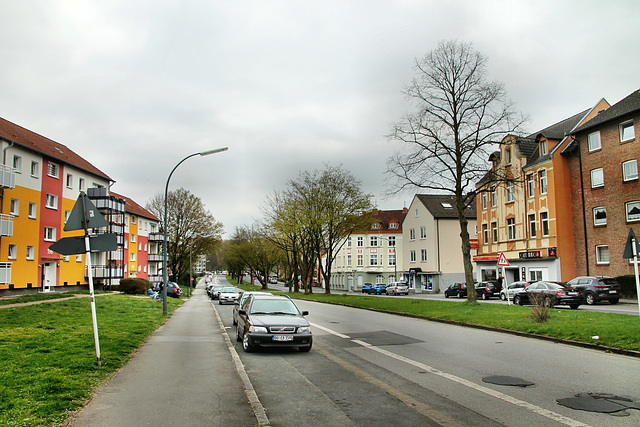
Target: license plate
[(572, 293), (283, 338), (613, 292)]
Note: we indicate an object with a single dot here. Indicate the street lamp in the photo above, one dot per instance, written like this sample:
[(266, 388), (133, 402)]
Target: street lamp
[(165, 255)]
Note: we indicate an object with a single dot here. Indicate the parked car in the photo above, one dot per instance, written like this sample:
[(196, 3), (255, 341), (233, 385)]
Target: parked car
[(598, 288), (272, 321), (241, 300), (273, 279), (228, 295), (173, 290), (551, 294), (380, 288), (398, 288), (486, 290), (215, 291), (458, 290), (366, 288), (512, 289)]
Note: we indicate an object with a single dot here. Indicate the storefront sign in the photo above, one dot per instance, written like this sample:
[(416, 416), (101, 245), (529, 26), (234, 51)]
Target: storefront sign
[(530, 254)]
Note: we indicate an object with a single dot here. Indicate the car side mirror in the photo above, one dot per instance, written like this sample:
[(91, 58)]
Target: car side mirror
[(243, 312), (305, 313)]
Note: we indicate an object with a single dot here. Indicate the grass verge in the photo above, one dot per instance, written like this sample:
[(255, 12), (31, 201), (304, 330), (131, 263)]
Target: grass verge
[(47, 353)]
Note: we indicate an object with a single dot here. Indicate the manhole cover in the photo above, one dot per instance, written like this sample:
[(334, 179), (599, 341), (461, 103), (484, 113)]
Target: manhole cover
[(600, 402)]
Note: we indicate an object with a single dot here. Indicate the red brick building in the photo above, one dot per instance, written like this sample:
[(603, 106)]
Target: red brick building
[(605, 190)]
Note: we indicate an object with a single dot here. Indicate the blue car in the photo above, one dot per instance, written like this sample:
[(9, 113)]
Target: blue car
[(367, 288), (380, 288)]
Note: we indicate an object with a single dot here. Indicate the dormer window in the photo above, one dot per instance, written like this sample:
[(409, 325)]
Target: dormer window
[(375, 226), (393, 225), (543, 147)]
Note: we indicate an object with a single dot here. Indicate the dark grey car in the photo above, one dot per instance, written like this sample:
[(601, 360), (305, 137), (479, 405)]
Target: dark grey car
[(598, 288)]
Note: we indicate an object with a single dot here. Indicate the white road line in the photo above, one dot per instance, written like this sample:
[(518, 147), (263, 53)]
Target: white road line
[(509, 399), (258, 409)]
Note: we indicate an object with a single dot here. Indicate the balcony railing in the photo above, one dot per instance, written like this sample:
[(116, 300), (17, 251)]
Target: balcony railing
[(5, 273), (156, 237), (7, 176), (6, 225), (105, 272), (155, 258)]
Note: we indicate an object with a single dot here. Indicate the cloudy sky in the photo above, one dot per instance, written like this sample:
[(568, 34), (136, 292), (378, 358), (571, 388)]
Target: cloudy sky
[(287, 85)]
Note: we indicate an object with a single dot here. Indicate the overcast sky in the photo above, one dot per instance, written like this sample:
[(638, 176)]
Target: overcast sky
[(135, 86)]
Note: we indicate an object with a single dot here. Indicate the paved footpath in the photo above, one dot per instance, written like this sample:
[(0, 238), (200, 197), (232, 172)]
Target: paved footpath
[(183, 375)]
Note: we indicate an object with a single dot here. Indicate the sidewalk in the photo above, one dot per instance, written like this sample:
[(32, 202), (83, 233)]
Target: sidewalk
[(183, 375)]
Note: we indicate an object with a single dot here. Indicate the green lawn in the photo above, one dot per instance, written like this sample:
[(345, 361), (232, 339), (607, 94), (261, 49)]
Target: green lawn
[(47, 353)]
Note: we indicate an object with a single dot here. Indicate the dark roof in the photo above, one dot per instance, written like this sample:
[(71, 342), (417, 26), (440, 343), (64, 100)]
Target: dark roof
[(628, 105), (562, 128), (133, 208), (386, 217), (11, 132), (434, 203)]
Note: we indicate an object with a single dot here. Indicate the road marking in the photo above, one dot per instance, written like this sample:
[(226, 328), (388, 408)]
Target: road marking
[(509, 399), (258, 409)]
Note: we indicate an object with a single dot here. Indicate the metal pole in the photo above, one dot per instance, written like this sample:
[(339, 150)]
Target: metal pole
[(94, 318), (635, 268)]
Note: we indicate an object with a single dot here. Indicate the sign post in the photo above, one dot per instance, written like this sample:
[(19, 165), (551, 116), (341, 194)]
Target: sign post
[(631, 250), (504, 262), (83, 217)]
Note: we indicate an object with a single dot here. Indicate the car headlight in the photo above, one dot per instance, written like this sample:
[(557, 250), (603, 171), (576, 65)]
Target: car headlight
[(258, 329), (303, 330)]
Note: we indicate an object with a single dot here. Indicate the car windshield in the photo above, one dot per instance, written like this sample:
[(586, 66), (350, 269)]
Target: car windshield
[(229, 291), (268, 306)]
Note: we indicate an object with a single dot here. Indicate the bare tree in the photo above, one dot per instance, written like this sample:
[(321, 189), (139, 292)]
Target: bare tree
[(460, 119), (191, 229)]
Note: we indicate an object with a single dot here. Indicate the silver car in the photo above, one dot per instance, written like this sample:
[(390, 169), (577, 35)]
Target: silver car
[(398, 288), (512, 289), (228, 295)]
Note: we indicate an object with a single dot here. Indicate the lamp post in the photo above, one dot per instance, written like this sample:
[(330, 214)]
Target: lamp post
[(165, 255)]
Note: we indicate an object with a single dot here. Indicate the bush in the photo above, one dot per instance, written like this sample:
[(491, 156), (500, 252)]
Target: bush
[(627, 285), (541, 306), (135, 286)]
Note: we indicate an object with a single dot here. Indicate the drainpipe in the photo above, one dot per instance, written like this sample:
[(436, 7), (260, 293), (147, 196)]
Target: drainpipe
[(584, 213)]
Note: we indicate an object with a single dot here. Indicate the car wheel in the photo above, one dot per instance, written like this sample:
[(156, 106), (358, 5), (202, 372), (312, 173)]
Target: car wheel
[(613, 301), (459, 295), (517, 300), (220, 302), (446, 295), (503, 297), (246, 345), (305, 349), (485, 296), (590, 298), (574, 306)]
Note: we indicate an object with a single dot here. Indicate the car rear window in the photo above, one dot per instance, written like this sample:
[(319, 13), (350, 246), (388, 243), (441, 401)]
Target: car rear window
[(610, 282)]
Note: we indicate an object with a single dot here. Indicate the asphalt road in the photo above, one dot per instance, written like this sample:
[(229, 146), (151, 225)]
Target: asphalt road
[(375, 368)]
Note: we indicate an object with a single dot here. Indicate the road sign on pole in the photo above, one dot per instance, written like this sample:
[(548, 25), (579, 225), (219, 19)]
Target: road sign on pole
[(632, 251), (502, 260)]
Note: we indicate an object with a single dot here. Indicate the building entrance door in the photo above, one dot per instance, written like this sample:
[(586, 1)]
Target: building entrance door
[(48, 276)]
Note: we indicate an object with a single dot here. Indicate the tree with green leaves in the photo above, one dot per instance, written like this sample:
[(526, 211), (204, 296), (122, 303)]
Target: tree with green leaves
[(460, 118), (191, 229)]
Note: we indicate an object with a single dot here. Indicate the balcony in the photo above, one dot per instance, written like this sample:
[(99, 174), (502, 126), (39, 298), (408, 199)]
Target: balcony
[(7, 176), (5, 273), (155, 258), (156, 237), (6, 225), (105, 272)]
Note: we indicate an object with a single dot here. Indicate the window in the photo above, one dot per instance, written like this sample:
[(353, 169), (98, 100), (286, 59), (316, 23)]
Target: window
[(597, 178), (393, 225), (35, 169), (594, 141), (508, 156), (392, 240), (633, 210), (17, 163), (542, 176), (544, 223), (630, 170), (12, 252), (15, 207), (510, 195), (53, 170), (392, 259), (67, 214), (373, 241), (494, 199), (412, 234), (423, 255), (360, 242), (412, 255), (52, 201), (360, 260), (81, 184), (484, 200), (494, 231), (133, 219), (78, 258), (417, 212), (485, 233), (133, 238), (543, 147), (69, 181), (50, 234), (602, 254), (626, 131), (535, 275), (33, 210), (511, 228), (423, 232), (373, 259), (530, 185), (30, 253), (348, 241), (375, 226), (132, 257), (532, 225), (349, 260), (600, 216)]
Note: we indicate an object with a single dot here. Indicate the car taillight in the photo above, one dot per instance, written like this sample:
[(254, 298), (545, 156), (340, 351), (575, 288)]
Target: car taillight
[(560, 294), (600, 286)]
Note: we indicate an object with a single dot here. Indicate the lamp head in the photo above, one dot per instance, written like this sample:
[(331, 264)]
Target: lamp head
[(217, 150)]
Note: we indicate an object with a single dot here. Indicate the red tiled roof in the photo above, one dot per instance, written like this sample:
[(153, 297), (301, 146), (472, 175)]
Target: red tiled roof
[(47, 147), (386, 217), (134, 208)]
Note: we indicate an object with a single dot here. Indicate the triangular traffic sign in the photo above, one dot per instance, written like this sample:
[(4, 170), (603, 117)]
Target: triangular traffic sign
[(628, 248), (502, 260), (84, 210)]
